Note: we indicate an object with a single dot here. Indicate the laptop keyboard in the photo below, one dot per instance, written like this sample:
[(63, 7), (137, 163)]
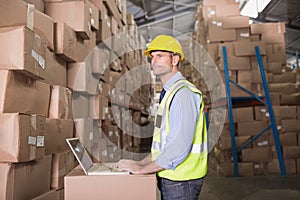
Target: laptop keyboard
[(101, 168)]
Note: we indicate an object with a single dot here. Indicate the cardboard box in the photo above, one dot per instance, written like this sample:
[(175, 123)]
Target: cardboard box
[(25, 180), (250, 128), (100, 60), (51, 195), (38, 126), (93, 187), (285, 112), (274, 67), (274, 167), (56, 72), (217, 34), (283, 88), (78, 15), (38, 4), (286, 139), (243, 114), (62, 164), (17, 142), (84, 131), (235, 22), (60, 103), (291, 152), (98, 107), (80, 106), (71, 47), (20, 18), (236, 63), (243, 34), (227, 169), (21, 94), (262, 154), (57, 131), (276, 53), (290, 125), (79, 77), (43, 25), (273, 38), (243, 48), (290, 99), (273, 27), (21, 49), (228, 10)]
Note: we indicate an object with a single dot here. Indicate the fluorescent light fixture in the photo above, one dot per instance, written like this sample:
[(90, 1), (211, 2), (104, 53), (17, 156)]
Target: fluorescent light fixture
[(251, 8)]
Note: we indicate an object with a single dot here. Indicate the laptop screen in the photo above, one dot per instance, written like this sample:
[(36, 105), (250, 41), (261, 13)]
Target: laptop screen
[(81, 153)]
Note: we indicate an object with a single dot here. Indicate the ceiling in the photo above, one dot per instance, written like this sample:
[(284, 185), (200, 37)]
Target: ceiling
[(178, 17)]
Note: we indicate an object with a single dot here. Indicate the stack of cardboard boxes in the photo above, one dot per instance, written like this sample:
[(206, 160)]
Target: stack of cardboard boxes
[(219, 24), (59, 64)]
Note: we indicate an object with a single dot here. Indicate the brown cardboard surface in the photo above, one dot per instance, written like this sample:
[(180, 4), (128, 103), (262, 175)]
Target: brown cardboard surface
[(261, 154), (290, 125), (235, 22), (109, 187), (77, 14), (21, 49), (57, 131), (25, 180), (291, 152), (98, 107), (43, 25), (60, 103), (56, 72), (286, 139), (38, 126), (20, 17), (80, 105), (250, 128), (273, 27), (243, 114), (62, 164), (22, 94), (227, 169), (274, 167), (17, 144), (71, 47), (51, 195), (244, 48)]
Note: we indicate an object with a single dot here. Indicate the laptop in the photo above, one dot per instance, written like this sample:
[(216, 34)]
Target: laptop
[(86, 162)]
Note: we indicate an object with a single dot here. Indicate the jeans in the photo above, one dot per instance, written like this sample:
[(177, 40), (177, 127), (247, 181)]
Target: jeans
[(180, 190)]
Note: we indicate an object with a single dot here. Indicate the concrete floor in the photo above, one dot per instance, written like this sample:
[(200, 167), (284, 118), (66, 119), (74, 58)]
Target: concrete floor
[(271, 187)]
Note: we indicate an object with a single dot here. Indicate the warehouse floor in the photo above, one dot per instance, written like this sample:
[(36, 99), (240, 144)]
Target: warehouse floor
[(271, 187)]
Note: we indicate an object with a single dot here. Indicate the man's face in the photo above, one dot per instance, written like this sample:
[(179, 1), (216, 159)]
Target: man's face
[(161, 62)]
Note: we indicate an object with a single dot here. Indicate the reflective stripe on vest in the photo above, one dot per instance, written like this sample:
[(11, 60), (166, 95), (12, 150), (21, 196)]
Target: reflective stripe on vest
[(195, 164)]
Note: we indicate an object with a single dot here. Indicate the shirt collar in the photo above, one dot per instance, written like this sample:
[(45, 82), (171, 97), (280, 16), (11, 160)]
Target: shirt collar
[(172, 80)]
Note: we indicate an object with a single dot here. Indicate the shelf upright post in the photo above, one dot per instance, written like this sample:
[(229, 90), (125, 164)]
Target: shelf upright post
[(270, 110), (230, 114)]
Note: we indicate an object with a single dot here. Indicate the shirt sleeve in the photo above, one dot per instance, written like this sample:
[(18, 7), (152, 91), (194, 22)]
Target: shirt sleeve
[(184, 111)]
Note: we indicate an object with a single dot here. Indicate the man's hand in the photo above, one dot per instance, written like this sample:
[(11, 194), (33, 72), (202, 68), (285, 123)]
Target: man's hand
[(129, 165)]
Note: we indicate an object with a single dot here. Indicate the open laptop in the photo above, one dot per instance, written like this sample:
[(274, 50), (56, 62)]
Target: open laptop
[(86, 162)]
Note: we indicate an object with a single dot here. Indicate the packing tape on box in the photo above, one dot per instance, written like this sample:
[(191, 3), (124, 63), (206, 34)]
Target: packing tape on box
[(30, 16)]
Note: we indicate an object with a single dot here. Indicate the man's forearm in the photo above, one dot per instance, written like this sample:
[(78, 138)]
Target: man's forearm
[(146, 160)]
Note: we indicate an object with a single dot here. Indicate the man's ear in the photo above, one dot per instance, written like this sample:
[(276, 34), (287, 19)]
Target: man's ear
[(175, 60)]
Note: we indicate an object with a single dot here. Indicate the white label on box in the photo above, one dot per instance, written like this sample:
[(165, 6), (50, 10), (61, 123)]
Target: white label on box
[(91, 136), (41, 62), (40, 141), (31, 140)]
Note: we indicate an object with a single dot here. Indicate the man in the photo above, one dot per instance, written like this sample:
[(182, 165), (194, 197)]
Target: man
[(179, 147)]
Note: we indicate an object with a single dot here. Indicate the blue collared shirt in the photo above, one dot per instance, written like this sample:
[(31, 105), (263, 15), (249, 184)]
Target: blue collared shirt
[(184, 111)]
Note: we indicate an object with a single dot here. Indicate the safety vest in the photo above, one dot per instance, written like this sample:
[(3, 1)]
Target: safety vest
[(195, 164)]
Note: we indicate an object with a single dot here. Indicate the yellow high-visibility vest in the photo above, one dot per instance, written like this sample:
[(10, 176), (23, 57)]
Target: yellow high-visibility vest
[(195, 164)]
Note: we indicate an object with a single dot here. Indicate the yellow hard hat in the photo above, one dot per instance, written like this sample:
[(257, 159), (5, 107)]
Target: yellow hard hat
[(165, 43)]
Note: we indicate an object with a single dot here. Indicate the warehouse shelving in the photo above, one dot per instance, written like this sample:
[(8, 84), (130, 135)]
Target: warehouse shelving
[(252, 100)]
